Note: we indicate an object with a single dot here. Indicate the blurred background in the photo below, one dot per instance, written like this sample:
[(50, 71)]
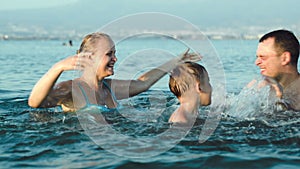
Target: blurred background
[(70, 19)]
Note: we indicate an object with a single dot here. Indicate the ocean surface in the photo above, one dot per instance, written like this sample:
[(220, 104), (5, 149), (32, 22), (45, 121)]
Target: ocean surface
[(237, 131)]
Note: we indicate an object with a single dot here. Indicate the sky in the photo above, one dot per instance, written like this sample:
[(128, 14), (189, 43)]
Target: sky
[(32, 4), (91, 14)]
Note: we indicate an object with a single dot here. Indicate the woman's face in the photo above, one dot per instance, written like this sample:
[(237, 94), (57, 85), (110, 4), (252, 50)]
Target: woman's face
[(105, 57)]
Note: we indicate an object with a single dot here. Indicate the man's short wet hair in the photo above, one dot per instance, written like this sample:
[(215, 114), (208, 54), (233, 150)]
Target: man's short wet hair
[(284, 41)]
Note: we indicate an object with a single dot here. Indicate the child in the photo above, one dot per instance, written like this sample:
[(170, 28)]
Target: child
[(189, 82)]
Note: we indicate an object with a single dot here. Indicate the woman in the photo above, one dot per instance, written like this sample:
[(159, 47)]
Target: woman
[(96, 58)]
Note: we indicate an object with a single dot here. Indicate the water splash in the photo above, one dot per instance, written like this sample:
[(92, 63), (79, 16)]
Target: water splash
[(252, 102)]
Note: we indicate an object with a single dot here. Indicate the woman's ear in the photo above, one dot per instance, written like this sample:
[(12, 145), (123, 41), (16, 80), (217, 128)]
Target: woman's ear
[(286, 58)]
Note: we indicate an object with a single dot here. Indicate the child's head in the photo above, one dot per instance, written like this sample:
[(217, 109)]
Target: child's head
[(188, 75)]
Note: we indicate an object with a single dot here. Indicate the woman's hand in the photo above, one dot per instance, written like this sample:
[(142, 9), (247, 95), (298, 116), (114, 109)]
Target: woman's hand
[(76, 62), (192, 57)]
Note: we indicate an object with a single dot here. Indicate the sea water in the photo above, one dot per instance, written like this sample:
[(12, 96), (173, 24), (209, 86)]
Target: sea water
[(246, 135)]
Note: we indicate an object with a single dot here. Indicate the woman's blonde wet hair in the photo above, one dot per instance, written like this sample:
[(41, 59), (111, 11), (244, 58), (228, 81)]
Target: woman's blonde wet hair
[(89, 41), (185, 75)]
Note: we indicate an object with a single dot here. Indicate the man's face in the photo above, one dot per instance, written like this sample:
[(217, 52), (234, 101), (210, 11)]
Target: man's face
[(268, 60)]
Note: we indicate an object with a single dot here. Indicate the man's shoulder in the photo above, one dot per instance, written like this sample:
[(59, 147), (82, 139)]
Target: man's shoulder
[(292, 94), (295, 85)]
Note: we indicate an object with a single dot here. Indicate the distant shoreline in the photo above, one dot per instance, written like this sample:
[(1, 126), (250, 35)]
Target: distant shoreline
[(181, 37), (249, 33)]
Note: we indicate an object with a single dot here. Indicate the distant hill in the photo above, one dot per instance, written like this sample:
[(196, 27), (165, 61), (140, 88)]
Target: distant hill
[(89, 15)]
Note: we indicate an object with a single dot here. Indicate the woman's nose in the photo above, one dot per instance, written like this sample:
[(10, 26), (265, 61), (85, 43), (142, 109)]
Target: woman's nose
[(114, 58)]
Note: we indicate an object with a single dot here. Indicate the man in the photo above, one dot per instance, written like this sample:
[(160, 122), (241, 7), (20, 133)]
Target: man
[(277, 58)]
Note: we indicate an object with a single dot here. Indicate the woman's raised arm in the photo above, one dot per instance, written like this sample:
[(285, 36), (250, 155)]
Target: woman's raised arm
[(128, 88), (44, 86)]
